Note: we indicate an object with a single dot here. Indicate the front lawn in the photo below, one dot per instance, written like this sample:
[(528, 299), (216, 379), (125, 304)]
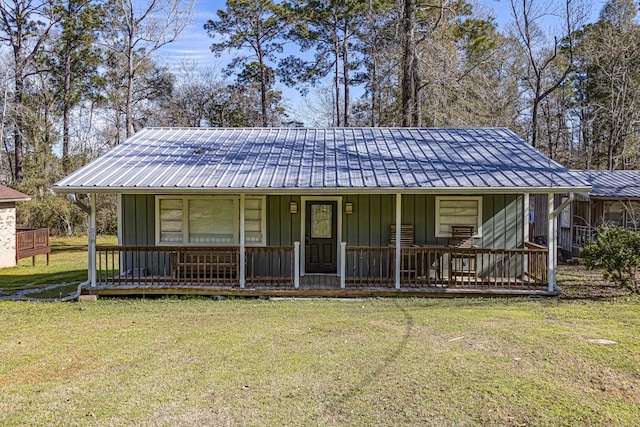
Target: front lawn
[(67, 267), (321, 362)]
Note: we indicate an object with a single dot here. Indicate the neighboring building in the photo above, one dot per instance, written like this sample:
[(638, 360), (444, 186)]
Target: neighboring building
[(8, 199), (614, 199), (296, 211)]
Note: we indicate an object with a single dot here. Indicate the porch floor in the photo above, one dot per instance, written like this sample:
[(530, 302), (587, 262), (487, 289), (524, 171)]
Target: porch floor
[(317, 286)]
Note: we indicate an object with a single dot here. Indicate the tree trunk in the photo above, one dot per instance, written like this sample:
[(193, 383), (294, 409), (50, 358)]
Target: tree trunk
[(18, 173), (129, 100), (336, 54), (345, 72), (263, 86), (408, 64), (66, 109)]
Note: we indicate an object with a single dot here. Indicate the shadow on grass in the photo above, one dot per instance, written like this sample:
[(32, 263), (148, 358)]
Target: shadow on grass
[(387, 363), (12, 284)]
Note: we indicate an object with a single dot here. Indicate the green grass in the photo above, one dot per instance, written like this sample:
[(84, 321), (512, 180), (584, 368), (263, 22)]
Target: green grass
[(320, 362), (67, 266)]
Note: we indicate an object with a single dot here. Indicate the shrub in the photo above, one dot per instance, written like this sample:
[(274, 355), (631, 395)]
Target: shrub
[(617, 251)]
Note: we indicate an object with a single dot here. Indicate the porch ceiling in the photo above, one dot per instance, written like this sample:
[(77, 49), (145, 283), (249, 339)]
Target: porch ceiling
[(300, 160)]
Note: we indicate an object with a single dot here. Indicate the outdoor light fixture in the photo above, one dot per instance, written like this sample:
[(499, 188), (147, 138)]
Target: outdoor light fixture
[(348, 208), (293, 207)]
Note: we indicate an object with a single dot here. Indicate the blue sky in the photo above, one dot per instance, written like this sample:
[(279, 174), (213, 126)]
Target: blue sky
[(193, 45), (194, 42)]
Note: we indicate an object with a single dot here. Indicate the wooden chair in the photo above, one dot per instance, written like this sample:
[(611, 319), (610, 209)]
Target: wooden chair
[(407, 237), (462, 263), (407, 240)]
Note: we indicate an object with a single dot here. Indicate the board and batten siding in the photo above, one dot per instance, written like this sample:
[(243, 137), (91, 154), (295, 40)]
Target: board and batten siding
[(368, 225), (138, 219)]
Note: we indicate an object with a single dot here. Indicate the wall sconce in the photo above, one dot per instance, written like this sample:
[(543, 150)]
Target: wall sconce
[(348, 208), (293, 207)]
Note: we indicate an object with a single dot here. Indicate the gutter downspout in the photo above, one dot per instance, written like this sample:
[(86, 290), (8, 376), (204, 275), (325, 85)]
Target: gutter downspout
[(86, 209), (553, 238), (398, 259), (92, 241)]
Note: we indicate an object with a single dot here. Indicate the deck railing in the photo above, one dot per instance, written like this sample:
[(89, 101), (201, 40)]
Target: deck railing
[(31, 242)]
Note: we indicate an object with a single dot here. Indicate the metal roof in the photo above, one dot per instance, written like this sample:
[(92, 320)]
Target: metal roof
[(289, 160), (612, 184)]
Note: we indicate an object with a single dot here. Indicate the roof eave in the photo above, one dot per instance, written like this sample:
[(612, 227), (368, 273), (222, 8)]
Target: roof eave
[(15, 199), (324, 190)]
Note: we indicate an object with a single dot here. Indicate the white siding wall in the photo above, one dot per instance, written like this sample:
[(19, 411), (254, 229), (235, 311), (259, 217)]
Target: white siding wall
[(7, 234)]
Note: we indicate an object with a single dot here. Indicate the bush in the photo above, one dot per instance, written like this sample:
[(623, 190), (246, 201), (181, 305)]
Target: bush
[(617, 251)]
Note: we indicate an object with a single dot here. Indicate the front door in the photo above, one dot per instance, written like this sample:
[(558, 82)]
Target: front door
[(321, 237)]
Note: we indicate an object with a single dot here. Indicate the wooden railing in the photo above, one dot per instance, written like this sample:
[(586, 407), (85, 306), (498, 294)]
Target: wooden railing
[(199, 266), (420, 267), (370, 265), (365, 267), (31, 242), (273, 265), (582, 234)]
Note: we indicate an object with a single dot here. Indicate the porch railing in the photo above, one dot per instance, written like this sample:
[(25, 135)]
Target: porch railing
[(582, 234), (272, 265), (421, 267), (31, 242), (200, 266)]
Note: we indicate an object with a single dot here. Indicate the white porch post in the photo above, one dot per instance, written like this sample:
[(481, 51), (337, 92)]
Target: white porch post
[(398, 240), (525, 214), (296, 265), (343, 264), (242, 240), (552, 240), (92, 240)]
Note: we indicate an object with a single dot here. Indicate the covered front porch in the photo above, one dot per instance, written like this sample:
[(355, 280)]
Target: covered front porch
[(364, 271)]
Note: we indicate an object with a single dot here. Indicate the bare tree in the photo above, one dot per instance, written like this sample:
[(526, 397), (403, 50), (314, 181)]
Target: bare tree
[(138, 28), (24, 27), (549, 57)]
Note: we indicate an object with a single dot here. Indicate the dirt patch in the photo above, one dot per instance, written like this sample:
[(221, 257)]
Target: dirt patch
[(579, 283)]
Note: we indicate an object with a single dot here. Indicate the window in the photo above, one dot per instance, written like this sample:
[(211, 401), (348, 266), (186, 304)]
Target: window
[(212, 220), (458, 211), (625, 214)]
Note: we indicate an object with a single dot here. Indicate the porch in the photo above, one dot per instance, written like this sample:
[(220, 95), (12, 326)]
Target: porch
[(362, 271)]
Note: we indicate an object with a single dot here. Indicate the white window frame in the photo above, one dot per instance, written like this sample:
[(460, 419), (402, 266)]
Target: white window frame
[(478, 226), (185, 220)]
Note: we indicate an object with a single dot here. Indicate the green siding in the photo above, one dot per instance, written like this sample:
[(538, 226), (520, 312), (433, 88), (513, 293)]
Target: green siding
[(373, 215), (283, 228), (368, 225), (138, 219)]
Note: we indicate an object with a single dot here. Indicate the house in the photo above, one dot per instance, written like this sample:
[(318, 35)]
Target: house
[(8, 199), (298, 211), (613, 199)]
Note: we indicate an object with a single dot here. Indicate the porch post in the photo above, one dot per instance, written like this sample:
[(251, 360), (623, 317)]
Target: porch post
[(296, 265), (242, 239), (92, 240), (525, 215), (343, 263), (398, 240), (552, 244)]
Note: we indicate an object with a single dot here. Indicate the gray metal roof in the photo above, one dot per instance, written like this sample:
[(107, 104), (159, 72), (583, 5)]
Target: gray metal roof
[(612, 184), (290, 160)]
